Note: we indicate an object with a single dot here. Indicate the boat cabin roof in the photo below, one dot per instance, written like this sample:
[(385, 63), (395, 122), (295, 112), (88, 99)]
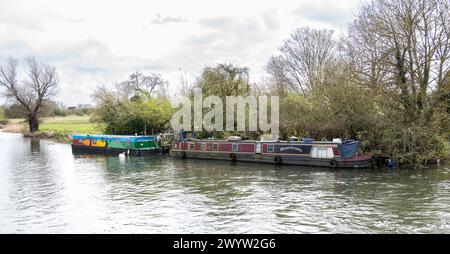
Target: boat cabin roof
[(270, 141), (115, 137), (237, 139)]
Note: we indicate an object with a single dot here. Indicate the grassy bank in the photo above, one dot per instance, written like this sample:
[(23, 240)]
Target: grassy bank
[(56, 128), (70, 125)]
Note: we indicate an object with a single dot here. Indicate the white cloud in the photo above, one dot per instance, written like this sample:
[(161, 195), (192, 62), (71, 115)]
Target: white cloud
[(329, 13), (100, 42), (160, 20)]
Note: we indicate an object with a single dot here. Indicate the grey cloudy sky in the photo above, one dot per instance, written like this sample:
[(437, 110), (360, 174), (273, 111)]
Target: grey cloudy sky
[(99, 42)]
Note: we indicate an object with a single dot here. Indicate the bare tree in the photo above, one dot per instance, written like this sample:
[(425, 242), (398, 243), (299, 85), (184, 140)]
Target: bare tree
[(185, 85), (40, 83), (303, 59), (151, 84), (402, 47)]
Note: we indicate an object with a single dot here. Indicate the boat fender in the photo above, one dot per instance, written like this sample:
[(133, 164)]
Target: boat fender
[(277, 159), (183, 154), (232, 156), (333, 163)]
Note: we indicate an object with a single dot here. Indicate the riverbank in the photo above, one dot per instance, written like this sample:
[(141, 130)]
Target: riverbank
[(59, 129), (12, 128)]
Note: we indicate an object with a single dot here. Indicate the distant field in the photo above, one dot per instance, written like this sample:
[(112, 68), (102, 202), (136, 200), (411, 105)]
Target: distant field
[(70, 124)]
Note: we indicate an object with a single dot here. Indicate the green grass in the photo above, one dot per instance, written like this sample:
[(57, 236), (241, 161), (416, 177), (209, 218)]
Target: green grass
[(2, 114), (70, 125)]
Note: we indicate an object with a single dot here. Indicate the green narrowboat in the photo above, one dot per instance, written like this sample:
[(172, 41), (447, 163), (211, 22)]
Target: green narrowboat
[(116, 144)]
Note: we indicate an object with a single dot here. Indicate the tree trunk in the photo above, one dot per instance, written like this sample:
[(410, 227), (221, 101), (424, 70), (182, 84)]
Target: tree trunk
[(33, 122)]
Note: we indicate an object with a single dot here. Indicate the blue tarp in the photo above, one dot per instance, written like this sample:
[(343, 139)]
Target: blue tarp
[(348, 149)]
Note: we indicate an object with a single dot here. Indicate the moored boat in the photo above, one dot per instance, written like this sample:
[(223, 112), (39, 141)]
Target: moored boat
[(116, 144), (307, 152)]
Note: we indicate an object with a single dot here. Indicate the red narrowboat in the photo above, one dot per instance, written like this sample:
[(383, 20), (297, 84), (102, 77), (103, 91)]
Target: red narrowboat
[(307, 152)]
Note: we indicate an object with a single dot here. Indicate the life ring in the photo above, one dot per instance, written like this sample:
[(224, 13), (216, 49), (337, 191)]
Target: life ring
[(232, 156), (277, 159), (333, 163)]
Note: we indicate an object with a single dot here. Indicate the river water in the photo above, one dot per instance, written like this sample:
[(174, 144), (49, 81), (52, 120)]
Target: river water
[(44, 188)]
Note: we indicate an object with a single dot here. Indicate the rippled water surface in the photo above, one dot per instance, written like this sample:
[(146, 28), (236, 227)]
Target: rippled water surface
[(44, 188)]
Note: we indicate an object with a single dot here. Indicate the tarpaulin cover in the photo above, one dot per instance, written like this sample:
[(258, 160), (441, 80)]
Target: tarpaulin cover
[(348, 149)]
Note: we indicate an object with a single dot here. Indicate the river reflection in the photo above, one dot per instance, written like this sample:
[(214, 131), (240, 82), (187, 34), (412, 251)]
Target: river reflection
[(44, 188)]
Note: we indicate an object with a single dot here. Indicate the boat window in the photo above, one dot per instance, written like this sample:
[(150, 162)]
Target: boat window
[(203, 148), (270, 149), (322, 152), (235, 147), (330, 153), (191, 146), (215, 146), (258, 148)]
